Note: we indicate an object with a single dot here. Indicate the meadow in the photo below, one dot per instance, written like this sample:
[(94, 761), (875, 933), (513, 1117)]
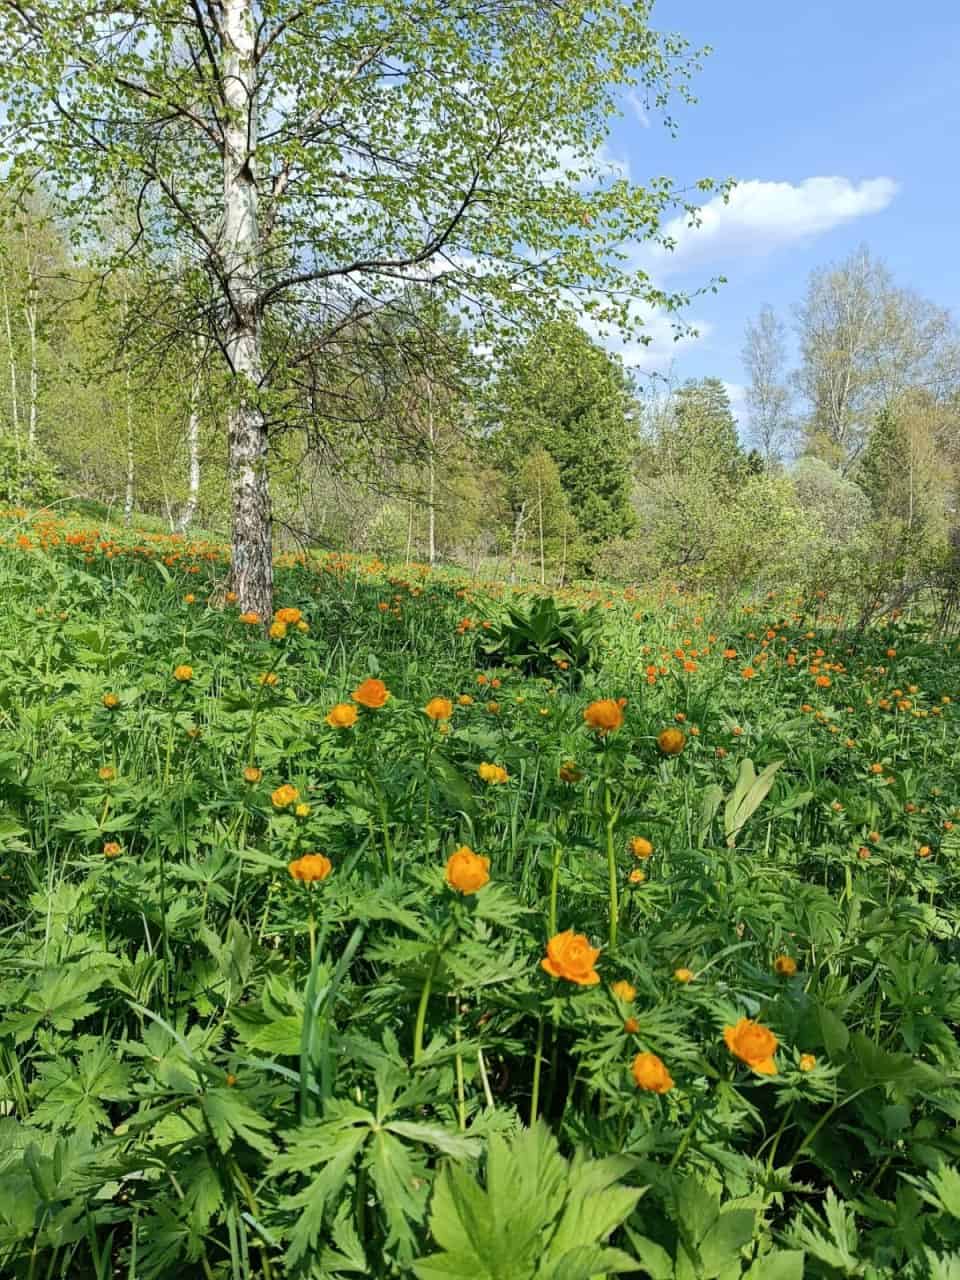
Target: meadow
[(443, 932)]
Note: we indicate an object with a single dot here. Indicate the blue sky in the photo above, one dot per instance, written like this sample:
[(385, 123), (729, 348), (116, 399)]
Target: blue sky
[(858, 94)]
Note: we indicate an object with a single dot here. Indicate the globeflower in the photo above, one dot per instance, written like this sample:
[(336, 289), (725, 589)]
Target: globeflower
[(467, 871), (624, 990), (183, 673), (371, 693), (111, 849), (492, 773), (683, 975), (250, 618), (754, 1044), (289, 617), (438, 709), (604, 716), (252, 774), (284, 796), (310, 868), (110, 701), (641, 847), (278, 630), (342, 716), (650, 1074), (807, 1062), (671, 741), (570, 956), (785, 966)]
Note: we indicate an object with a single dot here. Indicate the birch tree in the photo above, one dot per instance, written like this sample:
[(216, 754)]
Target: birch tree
[(313, 157)]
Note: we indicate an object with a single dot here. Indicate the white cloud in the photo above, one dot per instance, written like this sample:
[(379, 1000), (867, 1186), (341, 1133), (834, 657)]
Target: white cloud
[(738, 400), (655, 356), (763, 216), (638, 107)]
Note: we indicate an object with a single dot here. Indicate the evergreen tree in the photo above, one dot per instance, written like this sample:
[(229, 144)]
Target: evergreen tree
[(563, 393)]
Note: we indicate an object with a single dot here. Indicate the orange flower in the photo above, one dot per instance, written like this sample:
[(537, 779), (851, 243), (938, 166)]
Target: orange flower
[(604, 716), (650, 1074), (342, 716), (250, 618), (110, 701), (748, 673), (278, 630), (493, 708), (923, 851), (637, 876), (570, 956), (288, 617), (624, 990), (302, 810), (641, 847), (467, 871), (465, 700), (807, 1062), (822, 682), (371, 693), (785, 966), (183, 674), (438, 709), (284, 796), (252, 774), (111, 849), (310, 868), (492, 773), (753, 1044), (683, 975), (631, 1026), (569, 772), (268, 679), (107, 773), (671, 741)]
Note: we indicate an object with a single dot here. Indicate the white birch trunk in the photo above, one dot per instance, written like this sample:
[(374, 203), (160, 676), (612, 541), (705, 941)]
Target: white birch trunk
[(11, 355), (30, 316), (252, 562), (130, 489), (189, 511)]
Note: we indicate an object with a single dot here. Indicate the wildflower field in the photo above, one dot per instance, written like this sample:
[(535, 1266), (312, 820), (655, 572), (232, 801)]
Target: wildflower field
[(359, 949)]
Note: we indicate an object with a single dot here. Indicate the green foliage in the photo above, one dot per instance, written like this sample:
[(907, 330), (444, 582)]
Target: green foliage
[(563, 393), (211, 1068), (539, 1216), (27, 476), (540, 637)]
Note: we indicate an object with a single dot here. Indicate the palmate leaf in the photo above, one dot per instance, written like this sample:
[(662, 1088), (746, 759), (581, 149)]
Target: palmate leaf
[(401, 1186), (229, 1117), (538, 1217)]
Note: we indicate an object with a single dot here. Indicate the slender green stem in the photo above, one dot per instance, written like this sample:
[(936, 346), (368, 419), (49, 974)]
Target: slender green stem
[(461, 1094), (422, 1009), (537, 1063), (611, 863)]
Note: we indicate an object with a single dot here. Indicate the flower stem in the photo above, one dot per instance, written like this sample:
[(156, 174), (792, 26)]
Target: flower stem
[(611, 863), (422, 1009), (537, 1062)]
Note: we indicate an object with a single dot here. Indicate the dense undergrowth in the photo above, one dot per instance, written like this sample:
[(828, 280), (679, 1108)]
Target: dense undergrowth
[(224, 1055)]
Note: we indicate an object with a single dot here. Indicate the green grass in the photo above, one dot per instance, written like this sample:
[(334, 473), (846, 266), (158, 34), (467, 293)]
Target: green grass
[(209, 1068)]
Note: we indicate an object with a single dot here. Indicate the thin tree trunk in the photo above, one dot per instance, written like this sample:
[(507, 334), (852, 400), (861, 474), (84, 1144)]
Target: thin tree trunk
[(14, 407), (409, 536), (252, 559), (189, 511), (432, 489), (543, 567), (30, 316), (515, 540), (130, 490)]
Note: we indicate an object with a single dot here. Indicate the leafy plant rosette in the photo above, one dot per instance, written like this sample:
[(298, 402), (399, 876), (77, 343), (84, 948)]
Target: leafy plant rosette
[(545, 639)]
